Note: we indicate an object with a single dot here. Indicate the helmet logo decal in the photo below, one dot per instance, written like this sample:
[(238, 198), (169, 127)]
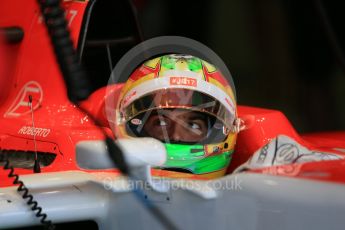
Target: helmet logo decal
[(225, 130), (216, 149), (187, 81), (136, 121), (229, 103), (128, 98)]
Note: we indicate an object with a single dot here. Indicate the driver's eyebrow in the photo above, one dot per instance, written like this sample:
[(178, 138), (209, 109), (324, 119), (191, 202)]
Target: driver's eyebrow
[(191, 115), (196, 116)]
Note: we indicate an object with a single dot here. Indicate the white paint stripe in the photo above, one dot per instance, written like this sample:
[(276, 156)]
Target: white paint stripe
[(23, 103), (32, 89), (171, 73), (164, 82)]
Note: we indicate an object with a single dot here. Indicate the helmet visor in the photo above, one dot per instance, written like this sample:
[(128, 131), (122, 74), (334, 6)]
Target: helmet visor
[(178, 115), (179, 98)]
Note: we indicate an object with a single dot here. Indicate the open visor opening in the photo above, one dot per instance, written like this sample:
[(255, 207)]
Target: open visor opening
[(192, 110)]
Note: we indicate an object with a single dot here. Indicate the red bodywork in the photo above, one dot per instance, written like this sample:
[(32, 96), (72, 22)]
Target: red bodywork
[(31, 69)]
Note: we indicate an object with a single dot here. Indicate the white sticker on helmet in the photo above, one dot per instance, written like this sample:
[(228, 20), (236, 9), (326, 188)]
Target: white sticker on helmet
[(136, 121)]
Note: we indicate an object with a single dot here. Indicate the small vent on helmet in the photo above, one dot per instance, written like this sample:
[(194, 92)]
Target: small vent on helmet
[(25, 159), (182, 170)]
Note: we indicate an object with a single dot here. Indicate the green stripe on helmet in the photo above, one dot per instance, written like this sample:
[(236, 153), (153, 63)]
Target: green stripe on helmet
[(192, 158), (169, 61)]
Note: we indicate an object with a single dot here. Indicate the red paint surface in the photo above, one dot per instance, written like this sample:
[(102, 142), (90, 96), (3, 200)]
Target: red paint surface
[(33, 60)]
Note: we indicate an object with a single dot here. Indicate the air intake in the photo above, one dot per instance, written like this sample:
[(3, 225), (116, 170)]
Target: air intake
[(26, 159)]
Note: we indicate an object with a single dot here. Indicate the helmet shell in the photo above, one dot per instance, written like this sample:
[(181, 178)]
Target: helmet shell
[(182, 73)]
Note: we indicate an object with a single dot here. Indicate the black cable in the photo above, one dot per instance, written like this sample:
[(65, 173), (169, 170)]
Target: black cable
[(37, 167), (24, 191), (77, 85)]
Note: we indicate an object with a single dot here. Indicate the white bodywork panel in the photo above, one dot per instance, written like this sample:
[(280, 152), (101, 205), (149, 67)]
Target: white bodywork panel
[(238, 201)]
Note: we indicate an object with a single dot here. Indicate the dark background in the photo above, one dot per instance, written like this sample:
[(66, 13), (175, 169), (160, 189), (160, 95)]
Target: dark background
[(277, 50)]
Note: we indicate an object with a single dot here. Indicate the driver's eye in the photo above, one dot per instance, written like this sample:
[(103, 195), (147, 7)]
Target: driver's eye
[(162, 122), (194, 125)]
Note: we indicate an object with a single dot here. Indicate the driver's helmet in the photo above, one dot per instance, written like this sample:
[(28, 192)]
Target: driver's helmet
[(187, 104)]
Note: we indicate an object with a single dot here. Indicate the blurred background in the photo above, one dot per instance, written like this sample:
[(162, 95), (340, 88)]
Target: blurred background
[(277, 51)]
